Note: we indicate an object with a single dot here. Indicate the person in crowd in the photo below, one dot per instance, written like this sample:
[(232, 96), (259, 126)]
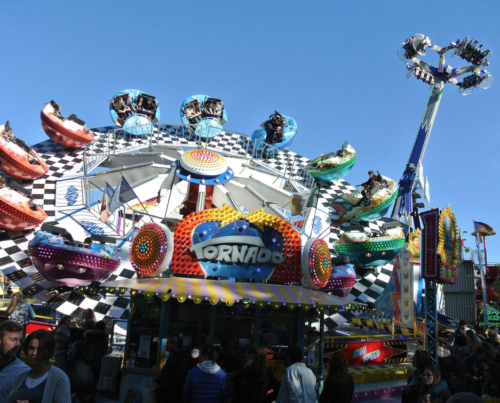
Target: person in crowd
[(170, 384), (367, 189), (227, 360), (43, 382), (460, 331), (465, 397), (127, 101), (149, 107), (493, 337), (192, 111), (96, 347), (121, 109), (491, 387), (255, 383), (460, 349), (274, 128), (88, 314), (432, 389), (482, 333), (420, 360), (61, 337), (474, 366), (80, 333), (339, 385), (20, 312), (496, 357), (11, 337), (299, 382), (472, 340), (207, 382), (453, 372), (80, 376)]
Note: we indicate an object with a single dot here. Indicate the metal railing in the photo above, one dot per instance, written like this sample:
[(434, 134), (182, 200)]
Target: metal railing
[(289, 167)]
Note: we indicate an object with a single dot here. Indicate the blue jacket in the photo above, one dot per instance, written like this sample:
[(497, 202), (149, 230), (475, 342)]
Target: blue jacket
[(206, 383), (8, 375)]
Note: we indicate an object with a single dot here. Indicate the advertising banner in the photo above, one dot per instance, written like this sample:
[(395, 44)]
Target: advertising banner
[(369, 352)]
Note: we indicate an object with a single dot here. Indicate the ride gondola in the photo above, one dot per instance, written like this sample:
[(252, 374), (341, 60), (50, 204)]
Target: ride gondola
[(18, 159), (63, 261), (18, 212), (351, 205), (134, 111), (333, 166), (368, 251), (68, 132), (204, 115), (279, 131)]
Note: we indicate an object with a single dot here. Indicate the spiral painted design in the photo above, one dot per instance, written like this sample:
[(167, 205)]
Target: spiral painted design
[(148, 249), (319, 263)]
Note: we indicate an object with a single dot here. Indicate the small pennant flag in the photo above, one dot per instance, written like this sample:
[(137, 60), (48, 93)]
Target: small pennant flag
[(480, 228)]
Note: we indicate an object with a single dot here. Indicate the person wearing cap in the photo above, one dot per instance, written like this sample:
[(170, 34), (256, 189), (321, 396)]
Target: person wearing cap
[(170, 384)]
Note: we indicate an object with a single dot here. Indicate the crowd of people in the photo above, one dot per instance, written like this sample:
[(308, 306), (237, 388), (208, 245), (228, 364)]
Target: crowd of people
[(254, 383), (77, 354), (472, 369), (125, 106), (194, 111)]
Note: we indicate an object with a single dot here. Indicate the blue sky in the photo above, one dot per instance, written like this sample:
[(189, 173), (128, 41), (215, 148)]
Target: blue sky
[(331, 65)]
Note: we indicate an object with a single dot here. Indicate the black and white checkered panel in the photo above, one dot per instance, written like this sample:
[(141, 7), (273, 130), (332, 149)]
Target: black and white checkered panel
[(64, 163)]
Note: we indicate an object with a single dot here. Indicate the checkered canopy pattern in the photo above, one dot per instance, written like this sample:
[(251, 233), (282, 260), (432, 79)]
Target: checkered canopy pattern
[(65, 163)]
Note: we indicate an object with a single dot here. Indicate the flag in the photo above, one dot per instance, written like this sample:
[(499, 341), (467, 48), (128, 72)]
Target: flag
[(122, 194), (312, 200), (167, 182), (480, 228), (108, 193)]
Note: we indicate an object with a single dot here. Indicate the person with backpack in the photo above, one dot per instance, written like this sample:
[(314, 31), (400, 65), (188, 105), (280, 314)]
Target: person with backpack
[(80, 375)]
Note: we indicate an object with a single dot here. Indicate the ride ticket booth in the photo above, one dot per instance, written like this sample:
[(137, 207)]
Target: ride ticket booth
[(224, 279)]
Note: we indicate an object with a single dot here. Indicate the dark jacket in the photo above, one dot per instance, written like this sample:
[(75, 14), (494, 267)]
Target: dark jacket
[(80, 376), (206, 383), (336, 391), (96, 347), (251, 385), (454, 384), (170, 383)]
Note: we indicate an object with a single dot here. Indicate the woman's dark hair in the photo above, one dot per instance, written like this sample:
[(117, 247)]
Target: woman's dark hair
[(461, 341), (78, 348), (494, 369), (46, 340), (260, 360), (338, 367), (424, 360), (471, 337), (487, 348), (101, 325), (88, 325), (177, 338), (212, 352)]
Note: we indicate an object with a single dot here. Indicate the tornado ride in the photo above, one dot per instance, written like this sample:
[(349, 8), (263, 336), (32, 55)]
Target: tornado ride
[(215, 222)]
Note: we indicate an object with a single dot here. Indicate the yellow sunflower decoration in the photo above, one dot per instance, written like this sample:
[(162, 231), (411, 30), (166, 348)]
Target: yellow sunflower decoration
[(448, 238)]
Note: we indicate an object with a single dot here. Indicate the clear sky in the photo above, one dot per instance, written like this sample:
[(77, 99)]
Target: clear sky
[(331, 65)]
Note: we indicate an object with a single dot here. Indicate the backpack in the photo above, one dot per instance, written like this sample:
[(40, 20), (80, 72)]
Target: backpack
[(21, 315)]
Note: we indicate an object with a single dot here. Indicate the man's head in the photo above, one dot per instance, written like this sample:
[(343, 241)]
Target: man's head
[(295, 354), (370, 173), (11, 337), (174, 342), (465, 397), (462, 324)]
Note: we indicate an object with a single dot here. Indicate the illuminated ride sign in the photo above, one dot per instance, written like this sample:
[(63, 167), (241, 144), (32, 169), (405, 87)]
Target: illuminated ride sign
[(440, 242), (224, 243), (369, 352), (493, 318)]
